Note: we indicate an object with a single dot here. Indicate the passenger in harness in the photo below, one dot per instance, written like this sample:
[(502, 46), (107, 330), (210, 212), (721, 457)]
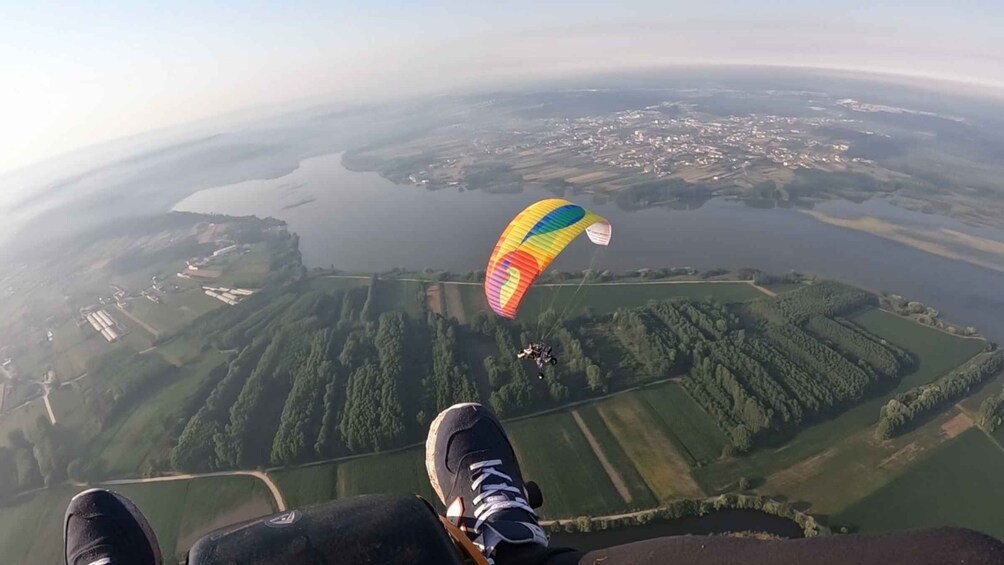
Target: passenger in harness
[(540, 353)]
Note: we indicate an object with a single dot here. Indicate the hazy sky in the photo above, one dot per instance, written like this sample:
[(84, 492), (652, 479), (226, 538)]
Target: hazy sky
[(77, 73)]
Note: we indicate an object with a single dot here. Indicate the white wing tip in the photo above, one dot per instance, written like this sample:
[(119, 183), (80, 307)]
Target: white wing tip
[(599, 233)]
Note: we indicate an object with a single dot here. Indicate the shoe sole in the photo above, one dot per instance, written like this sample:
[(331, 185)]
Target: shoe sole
[(430, 448), (151, 537)]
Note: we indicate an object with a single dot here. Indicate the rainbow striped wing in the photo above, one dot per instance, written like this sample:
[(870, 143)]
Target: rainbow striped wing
[(528, 245)]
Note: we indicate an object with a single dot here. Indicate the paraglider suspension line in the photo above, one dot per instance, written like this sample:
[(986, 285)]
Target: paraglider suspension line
[(571, 300)]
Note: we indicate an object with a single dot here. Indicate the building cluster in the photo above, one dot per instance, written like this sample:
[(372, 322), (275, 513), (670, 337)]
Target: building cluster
[(105, 325), (157, 289), (663, 139), (228, 296), (200, 267), (119, 295)]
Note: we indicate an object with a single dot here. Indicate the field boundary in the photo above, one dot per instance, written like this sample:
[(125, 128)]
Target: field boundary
[(671, 478), (615, 476), (935, 328), (454, 303), (972, 417), (433, 301), (280, 503), (761, 289), (153, 331)]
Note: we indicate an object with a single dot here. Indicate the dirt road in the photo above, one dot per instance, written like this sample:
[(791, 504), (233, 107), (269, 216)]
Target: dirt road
[(153, 331), (615, 477), (280, 504), (48, 408)]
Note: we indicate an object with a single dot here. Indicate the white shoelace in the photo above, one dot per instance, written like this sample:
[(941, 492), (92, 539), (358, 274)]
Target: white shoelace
[(494, 498)]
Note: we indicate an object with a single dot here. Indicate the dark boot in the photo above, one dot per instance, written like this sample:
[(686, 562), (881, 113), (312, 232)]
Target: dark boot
[(473, 469), (105, 528)]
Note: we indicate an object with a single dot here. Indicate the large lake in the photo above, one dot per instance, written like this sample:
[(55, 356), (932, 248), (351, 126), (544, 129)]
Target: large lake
[(361, 221)]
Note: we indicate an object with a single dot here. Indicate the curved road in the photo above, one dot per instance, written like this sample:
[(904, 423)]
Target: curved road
[(277, 494), (280, 504)]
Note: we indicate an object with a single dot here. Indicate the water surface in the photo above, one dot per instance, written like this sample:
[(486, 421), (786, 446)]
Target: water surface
[(361, 221)]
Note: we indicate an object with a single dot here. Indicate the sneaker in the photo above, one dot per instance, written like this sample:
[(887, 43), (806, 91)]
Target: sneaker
[(106, 528), (474, 470)]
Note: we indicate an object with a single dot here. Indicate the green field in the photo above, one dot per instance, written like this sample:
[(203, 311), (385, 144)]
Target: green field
[(992, 387), (937, 353), (179, 511), (822, 481), (31, 527), (684, 420), (653, 436), (400, 295), (73, 347), (130, 441), (136, 338), (553, 452), (308, 485), (400, 472), (660, 442), (337, 282), (960, 484), (783, 287), (641, 496), (23, 418), (473, 299), (182, 349), (69, 409), (248, 270), (545, 444), (605, 298), (34, 362), (134, 439), (182, 511), (175, 311), (655, 454)]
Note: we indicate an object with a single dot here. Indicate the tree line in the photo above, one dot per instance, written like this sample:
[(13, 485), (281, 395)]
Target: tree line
[(323, 374), (693, 507), (513, 392), (755, 370), (319, 375), (858, 345), (903, 411), (825, 298), (300, 422), (283, 350), (991, 414), (373, 414)]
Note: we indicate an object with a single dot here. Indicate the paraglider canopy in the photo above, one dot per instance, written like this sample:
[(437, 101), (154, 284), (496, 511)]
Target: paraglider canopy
[(528, 245)]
